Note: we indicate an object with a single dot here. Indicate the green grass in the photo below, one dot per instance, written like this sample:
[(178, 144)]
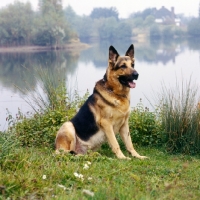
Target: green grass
[(163, 176), (180, 117), (29, 168)]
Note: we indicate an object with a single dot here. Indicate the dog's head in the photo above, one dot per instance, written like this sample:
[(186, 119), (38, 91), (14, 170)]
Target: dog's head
[(122, 67)]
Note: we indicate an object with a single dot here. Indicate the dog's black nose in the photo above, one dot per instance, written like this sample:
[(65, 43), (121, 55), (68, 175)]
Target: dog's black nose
[(135, 75)]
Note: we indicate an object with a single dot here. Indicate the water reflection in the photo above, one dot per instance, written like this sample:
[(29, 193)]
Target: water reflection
[(18, 68), (15, 68), (88, 66)]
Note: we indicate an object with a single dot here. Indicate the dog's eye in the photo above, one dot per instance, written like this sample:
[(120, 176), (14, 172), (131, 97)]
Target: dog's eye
[(133, 65), (123, 67)]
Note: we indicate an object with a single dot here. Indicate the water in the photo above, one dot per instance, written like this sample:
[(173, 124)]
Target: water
[(157, 62)]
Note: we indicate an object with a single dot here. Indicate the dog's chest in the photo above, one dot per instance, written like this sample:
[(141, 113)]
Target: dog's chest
[(95, 141)]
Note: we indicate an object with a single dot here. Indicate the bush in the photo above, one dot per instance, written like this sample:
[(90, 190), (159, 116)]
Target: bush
[(123, 31), (180, 118), (8, 145), (167, 32), (194, 27), (155, 31), (39, 128), (145, 127)]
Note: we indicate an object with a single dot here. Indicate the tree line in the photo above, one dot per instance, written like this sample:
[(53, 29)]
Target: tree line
[(104, 23), (20, 25), (53, 26)]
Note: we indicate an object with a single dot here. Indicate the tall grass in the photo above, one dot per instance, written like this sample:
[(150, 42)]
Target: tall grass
[(51, 107), (180, 117), (50, 92), (8, 144)]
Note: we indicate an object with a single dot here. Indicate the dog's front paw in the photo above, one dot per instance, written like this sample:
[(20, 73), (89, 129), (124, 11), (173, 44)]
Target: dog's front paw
[(142, 157), (123, 157)]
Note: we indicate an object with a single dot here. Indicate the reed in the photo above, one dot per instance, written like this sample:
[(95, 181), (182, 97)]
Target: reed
[(180, 117)]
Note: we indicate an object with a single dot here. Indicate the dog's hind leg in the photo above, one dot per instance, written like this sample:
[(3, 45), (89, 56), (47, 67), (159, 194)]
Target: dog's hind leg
[(65, 138)]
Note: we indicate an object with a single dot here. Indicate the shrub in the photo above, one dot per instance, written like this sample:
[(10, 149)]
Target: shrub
[(194, 27), (145, 127), (167, 32), (180, 118), (155, 32), (8, 145), (39, 128)]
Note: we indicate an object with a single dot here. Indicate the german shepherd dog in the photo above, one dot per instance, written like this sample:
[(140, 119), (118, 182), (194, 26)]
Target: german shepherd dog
[(106, 111)]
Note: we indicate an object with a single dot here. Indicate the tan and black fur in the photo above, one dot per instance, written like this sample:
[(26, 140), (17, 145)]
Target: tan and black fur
[(105, 113)]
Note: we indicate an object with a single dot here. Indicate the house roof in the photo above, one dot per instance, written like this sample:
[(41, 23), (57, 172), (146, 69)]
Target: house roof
[(164, 13)]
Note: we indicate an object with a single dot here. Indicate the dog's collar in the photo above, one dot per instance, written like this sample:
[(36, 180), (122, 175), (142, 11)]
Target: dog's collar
[(111, 91)]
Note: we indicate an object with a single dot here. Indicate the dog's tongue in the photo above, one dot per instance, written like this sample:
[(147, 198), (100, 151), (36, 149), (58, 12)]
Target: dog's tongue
[(132, 84)]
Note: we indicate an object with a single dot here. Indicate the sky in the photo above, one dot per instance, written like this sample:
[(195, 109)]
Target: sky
[(124, 7)]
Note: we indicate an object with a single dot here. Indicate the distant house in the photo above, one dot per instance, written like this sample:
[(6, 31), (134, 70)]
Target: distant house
[(165, 16)]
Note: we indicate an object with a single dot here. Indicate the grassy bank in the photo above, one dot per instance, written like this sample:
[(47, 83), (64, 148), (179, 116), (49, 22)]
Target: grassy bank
[(29, 168), (32, 173), (71, 46)]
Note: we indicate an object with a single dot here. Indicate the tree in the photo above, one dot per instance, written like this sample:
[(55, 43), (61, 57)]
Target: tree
[(107, 28), (70, 13), (149, 20), (48, 6), (194, 27), (167, 32), (123, 31), (53, 27), (104, 13), (155, 31), (84, 27), (16, 23), (143, 14)]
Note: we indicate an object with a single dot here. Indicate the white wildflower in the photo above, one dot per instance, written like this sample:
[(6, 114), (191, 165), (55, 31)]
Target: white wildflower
[(44, 176), (89, 163), (78, 175), (85, 166), (89, 178), (62, 186), (88, 192)]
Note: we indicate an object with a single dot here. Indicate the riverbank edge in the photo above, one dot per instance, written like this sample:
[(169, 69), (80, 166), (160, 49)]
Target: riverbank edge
[(71, 46)]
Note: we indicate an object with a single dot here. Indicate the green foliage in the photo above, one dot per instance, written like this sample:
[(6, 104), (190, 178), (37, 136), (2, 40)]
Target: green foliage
[(194, 27), (145, 13), (112, 29), (71, 16), (20, 25), (145, 127), (178, 32), (16, 22), (51, 24), (104, 13), (107, 29), (137, 22), (149, 21), (84, 27), (155, 31), (180, 118), (39, 128), (8, 144), (35, 173), (167, 32), (122, 31)]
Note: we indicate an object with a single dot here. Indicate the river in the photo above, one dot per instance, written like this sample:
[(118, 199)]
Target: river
[(157, 62)]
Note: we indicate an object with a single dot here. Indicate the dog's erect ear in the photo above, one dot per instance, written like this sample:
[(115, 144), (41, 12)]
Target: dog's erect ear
[(113, 54), (130, 51)]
